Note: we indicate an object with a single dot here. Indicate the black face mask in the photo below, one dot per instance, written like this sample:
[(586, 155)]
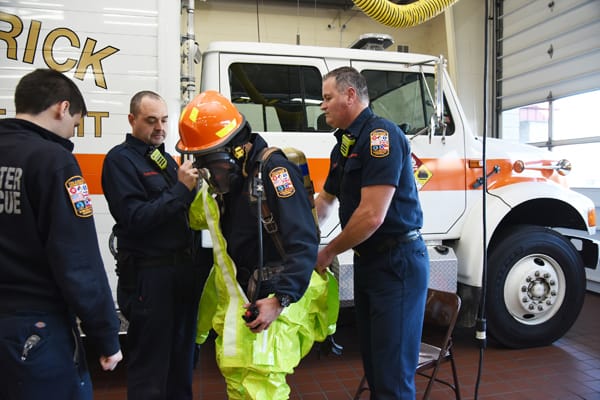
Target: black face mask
[(225, 173)]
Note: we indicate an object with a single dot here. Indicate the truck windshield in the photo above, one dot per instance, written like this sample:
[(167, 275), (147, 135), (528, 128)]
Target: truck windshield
[(402, 97)]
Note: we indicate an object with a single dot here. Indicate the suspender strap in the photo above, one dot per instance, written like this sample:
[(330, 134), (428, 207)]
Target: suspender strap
[(272, 229), (268, 221)]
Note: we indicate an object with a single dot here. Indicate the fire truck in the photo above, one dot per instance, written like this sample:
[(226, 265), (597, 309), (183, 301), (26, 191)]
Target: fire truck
[(502, 230)]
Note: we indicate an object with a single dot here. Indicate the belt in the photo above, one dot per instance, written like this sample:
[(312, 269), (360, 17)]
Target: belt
[(385, 243), (180, 257)]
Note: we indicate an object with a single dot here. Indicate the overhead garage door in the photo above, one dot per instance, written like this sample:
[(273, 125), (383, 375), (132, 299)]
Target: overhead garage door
[(547, 49)]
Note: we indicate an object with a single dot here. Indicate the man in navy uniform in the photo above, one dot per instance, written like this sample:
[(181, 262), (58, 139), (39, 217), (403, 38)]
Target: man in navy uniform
[(371, 174), (222, 141), (51, 270), (159, 279)]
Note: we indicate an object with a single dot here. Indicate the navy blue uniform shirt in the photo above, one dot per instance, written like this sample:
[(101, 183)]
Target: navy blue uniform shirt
[(149, 205), (381, 155), (292, 212), (49, 255)]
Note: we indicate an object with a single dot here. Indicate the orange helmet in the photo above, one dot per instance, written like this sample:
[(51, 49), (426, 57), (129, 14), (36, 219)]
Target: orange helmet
[(208, 122)]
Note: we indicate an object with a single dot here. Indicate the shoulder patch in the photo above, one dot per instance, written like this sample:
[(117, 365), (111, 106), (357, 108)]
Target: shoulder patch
[(280, 178), (79, 194), (380, 143)]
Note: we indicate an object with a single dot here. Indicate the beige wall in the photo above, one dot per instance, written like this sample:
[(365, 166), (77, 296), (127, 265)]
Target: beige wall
[(469, 41), (238, 20), (244, 20)]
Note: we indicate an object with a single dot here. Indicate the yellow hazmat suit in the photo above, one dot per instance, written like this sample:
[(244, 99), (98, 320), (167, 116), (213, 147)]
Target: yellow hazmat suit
[(255, 365)]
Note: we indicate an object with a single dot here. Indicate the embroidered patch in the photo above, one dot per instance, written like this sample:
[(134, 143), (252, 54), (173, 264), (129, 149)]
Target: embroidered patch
[(280, 178), (380, 143), (80, 196)]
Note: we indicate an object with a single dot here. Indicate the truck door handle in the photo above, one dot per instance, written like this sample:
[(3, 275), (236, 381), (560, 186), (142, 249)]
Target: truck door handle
[(479, 180)]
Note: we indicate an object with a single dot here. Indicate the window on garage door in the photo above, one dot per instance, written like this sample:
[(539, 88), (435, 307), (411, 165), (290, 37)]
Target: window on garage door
[(548, 85), (566, 126)]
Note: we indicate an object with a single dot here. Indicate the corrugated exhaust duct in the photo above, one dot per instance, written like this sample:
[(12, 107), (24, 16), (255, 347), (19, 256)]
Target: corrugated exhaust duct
[(403, 16)]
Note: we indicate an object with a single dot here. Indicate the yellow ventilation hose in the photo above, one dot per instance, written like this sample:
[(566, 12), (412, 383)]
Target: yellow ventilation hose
[(403, 16)]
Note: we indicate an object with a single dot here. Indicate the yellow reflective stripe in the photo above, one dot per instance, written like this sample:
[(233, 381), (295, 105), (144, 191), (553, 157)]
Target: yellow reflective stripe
[(224, 131), (222, 260)]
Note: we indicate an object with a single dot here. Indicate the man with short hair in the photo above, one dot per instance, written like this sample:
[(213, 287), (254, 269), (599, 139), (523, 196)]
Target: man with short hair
[(371, 174), (51, 271), (159, 281)]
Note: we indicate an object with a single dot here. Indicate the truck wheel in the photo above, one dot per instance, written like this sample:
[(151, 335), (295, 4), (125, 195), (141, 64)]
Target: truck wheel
[(535, 287)]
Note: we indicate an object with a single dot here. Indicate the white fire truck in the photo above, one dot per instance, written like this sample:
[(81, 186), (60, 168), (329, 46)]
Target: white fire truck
[(535, 279)]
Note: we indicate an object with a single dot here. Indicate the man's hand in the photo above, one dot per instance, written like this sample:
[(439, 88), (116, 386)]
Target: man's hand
[(188, 175), (268, 311), (324, 260), (109, 363)]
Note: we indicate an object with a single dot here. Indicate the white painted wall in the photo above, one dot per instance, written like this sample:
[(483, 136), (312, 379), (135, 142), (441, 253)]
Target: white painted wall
[(468, 63)]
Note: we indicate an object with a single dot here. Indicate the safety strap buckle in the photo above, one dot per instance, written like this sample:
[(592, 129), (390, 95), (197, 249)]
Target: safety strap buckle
[(269, 224)]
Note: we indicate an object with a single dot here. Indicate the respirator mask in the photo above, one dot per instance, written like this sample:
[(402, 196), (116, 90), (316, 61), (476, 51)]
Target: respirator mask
[(225, 174)]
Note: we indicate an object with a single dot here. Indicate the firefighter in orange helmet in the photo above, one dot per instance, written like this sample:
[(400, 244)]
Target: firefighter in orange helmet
[(221, 140), (222, 143)]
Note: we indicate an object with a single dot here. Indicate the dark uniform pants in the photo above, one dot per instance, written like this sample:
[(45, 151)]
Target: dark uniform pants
[(53, 367), (162, 313), (390, 290)]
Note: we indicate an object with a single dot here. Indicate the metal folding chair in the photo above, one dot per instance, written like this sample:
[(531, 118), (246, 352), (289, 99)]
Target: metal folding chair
[(441, 313)]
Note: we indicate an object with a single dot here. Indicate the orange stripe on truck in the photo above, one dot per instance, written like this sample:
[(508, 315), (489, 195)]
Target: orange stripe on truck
[(91, 167), (446, 174)]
